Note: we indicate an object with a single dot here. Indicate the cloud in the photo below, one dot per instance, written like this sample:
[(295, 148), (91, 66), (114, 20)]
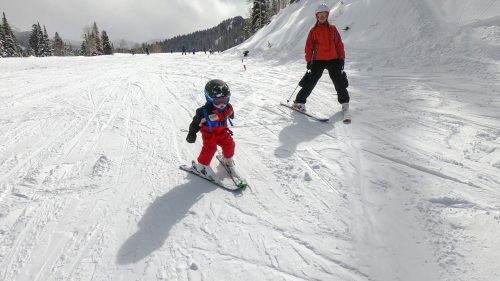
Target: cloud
[(136, 20)]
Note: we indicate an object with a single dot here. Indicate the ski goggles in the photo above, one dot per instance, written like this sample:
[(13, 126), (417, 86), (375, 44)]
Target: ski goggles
[(322, 15), (219, 100)]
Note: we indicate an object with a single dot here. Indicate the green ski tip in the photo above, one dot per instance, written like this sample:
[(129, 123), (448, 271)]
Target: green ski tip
[(242, 185)]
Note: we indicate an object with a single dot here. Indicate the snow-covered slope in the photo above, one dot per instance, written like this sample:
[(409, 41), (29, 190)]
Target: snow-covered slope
[(89, 150), (457, 35)]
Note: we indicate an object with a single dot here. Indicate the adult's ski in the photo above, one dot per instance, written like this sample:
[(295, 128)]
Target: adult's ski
[(317, 118), (189, 169), (237, 179)]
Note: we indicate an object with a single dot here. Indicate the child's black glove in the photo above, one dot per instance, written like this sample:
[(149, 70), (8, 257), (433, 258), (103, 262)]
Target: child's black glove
[(191, 137)]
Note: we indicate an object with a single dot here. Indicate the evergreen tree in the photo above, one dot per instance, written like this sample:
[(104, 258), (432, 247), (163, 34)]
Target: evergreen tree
[(247, 28), (10, 46), (106, 45), (39, 36), (260, 14), (58, 46), (84, 50), (33, 41), (96, 37), (93, 43), (69, 50), (2, 40), (274, 7), (47, 50)]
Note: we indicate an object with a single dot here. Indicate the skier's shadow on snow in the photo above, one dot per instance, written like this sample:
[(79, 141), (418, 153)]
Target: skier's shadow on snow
[(160, 217), (303, 129)]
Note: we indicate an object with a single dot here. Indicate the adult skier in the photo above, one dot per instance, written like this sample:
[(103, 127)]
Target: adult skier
[(324, 50)]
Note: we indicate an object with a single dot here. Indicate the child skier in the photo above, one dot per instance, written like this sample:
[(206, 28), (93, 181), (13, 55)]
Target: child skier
[(212, 119)]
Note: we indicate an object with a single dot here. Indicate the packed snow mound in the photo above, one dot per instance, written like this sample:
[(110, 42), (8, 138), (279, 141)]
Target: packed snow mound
[(412, 32)]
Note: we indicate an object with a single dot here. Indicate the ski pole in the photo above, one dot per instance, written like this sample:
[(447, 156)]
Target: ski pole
[(288, 100)]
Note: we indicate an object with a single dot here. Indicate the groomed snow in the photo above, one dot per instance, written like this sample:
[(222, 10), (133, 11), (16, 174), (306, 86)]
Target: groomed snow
[(90, 147)]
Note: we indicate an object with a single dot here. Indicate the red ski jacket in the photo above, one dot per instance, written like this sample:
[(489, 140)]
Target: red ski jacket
[(211, 120), (214, 131), (324, 43)]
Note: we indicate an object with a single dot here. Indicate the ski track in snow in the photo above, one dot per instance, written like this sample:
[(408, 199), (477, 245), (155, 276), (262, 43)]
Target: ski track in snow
[(434, 153), (90, 188)]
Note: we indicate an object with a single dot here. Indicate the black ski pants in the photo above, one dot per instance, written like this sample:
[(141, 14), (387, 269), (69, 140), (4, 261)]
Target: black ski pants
[(334, 68)]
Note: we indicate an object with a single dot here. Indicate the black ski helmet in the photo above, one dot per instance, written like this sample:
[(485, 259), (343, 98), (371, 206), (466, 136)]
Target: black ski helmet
[(217, 89)]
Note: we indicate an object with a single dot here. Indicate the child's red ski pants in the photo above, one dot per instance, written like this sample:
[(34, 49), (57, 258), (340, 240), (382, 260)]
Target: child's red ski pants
[(221, 138)]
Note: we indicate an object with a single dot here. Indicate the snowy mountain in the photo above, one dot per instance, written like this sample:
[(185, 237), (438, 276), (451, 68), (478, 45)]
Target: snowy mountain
[(218, 38), (90, 148)]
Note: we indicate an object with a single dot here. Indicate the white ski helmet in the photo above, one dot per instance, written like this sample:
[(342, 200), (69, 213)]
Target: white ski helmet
[(322, 8)]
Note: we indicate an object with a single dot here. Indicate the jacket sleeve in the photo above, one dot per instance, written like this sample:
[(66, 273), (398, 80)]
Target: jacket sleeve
[(231, 113), (309, 49), (339, 45), (195, 125)]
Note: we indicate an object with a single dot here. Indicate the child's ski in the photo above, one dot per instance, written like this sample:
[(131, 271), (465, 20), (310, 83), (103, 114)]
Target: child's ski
[(238, 181), (321, 119), (219, 184)]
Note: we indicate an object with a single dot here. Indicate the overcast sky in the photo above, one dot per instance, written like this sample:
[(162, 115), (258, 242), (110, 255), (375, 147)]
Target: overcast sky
[(135, 20)]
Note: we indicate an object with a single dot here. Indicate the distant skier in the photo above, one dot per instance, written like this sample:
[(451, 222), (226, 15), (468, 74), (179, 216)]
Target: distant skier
[(147, 51), (184, 50), (212, 119), (324, 50)]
